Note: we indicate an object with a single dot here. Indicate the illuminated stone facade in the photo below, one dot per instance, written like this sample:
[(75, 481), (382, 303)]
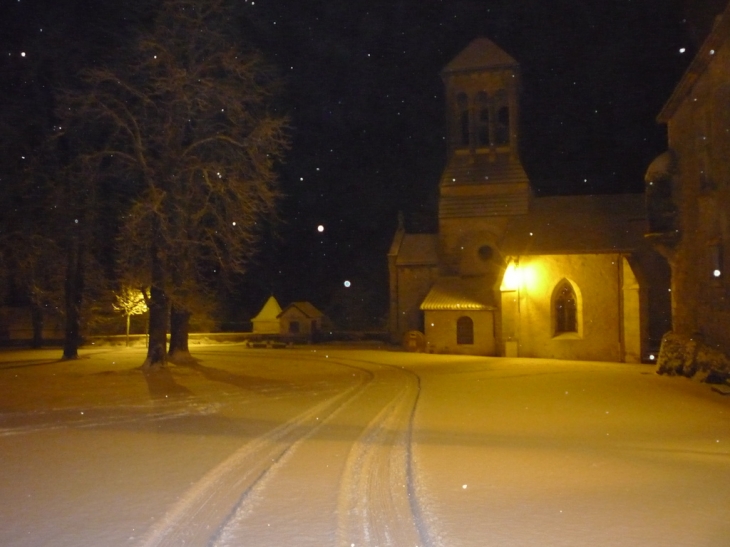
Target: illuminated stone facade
[(511, 274), (688, 191)]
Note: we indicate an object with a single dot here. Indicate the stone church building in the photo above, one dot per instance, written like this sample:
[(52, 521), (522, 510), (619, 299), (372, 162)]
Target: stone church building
[(508, 273)]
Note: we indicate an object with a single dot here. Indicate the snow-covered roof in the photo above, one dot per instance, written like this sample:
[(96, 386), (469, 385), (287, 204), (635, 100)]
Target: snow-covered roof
[(305, 308), (458, 293), (664, 165), (270, 311), (578, 224), (418, 250), (467, 169)]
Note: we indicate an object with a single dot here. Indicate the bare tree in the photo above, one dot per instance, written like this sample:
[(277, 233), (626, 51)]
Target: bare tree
[(185, 121), (79, 209), (130, 302)]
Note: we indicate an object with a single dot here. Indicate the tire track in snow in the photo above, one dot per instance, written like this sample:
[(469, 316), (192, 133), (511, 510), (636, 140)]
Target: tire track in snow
[(202, 514), (378, 504), (375, 503)]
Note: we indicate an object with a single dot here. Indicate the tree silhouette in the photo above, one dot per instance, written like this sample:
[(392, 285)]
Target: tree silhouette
[(184, 123), (130, 302), (50, 241)]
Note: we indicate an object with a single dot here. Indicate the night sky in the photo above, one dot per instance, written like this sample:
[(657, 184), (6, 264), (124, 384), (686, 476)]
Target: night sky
[(366, 104)]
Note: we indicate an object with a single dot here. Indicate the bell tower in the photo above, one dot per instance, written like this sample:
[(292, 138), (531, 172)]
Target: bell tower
[(484, 182)]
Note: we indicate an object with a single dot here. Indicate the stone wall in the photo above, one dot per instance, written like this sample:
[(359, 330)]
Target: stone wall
[(440, 328), (596, 279), (412, 286), (698, 118)]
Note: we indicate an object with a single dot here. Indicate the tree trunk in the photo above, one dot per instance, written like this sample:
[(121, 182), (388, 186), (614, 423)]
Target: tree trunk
[(158, 306), (128, 316), (36, 314), (74, 289), (179, 329)]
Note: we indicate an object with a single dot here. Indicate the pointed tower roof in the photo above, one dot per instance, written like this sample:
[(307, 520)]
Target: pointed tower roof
[(481, 54), (270, 311)]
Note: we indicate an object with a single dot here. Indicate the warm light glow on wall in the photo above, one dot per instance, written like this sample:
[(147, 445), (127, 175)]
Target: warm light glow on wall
[(527, 274), (511, 279), (532, 275)]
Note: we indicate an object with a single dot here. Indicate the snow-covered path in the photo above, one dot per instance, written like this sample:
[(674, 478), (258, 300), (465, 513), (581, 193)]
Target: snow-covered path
[(326, 446), (354, 450)]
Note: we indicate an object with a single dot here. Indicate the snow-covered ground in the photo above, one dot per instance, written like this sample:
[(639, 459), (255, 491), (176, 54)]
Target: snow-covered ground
[(329, 446)]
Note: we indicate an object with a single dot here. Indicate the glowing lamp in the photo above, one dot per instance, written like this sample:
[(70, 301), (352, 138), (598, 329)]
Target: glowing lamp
[(511, 279)]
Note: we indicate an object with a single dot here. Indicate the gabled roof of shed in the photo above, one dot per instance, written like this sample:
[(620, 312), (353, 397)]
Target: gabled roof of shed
[(307, 309)]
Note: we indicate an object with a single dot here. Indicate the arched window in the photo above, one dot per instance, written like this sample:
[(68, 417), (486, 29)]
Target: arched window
[(462, 105), (464, 331), (565, 308), (483, 119)]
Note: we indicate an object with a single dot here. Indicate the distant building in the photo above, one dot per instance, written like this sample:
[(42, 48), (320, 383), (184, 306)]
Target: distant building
[(267, 320), (301, 319), (513, 274), (688, 198)]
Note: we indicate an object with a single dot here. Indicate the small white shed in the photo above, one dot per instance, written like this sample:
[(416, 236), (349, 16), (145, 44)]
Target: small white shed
[(267, 321)]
